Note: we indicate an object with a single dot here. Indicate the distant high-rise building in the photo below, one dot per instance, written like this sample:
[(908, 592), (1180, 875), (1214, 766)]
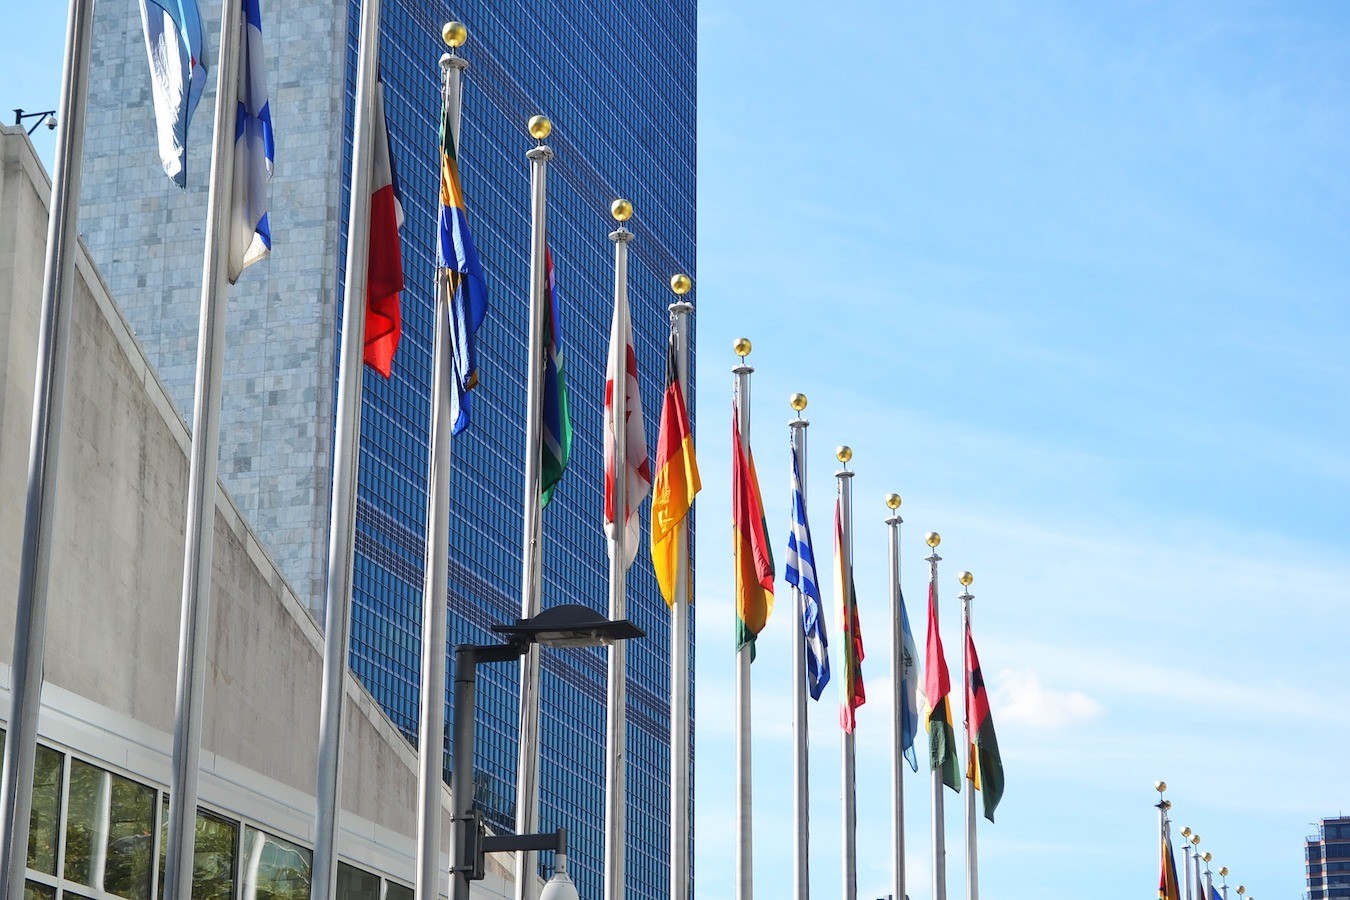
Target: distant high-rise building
[(618, 80), (1328, 860)]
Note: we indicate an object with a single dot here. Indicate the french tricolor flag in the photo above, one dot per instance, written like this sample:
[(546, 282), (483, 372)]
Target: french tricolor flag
[(384, 276), (177, 51)]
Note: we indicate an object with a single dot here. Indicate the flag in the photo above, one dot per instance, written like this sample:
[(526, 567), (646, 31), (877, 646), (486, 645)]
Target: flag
[(250, 235), (1214, 893), (911, 688), (750, 543), (638, 470), (984, 767), (800, 572), (384, 272), (1167, 879), (457, 261), (1199, 882), (851, 692), (557, 412), (676, 480), (938, 712), (176, 47)]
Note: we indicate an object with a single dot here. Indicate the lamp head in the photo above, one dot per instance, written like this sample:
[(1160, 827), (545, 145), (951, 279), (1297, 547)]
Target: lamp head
[(570, 625)]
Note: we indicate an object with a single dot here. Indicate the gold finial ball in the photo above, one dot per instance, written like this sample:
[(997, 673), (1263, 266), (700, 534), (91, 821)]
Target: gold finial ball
[(932, 539), (1241, 889), (1160, 786), (681, 284), (454, 34), (1186, 832), (1223, 871), (797, 402), (621, 210), (966, 579), (893, 501), (540, 127), (1167, 804), (1207, 856), (741, 347), (843, 453), (1195, 839)]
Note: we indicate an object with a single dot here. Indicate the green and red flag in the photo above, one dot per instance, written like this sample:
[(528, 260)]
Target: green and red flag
[(942, 754), (851, 692), (750, 543), (984, 767)]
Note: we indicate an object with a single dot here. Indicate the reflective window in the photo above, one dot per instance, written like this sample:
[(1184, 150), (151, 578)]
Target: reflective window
[(213, 869), (46, 818), (274, 869), (398, 892), (110, 823), (34, 891), (353, 884)]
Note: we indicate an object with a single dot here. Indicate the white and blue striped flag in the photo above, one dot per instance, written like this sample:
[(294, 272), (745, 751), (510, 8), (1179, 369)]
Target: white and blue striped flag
[(801, 574), (250, 235), (911, 688), (177, 51)]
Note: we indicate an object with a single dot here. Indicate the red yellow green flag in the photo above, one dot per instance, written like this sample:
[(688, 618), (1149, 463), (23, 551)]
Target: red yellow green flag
[(984, 766), (676, 481), (938, 715), (754, 559)]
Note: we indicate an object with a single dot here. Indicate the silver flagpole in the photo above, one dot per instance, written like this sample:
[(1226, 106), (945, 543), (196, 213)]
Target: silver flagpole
[(431, 712), (1209, 878), (1223, 888), (1186, 864), (972, 850), (201, 504), (1163, 806), (346, 444), (800, 731), (680, 831), (745, 872), (898, 668), (844, 483), (616, 688), (939, 823), (30, 628), (527, 767)]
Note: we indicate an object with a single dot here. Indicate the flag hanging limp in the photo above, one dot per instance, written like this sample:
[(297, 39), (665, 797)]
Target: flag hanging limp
[(911, 688), (457, 262), (1168, 889), (750, 543), (384, 271), (626, 426), (851, 691), (177, 50), (984, 765), (800, 571), (250, 234), (942, 755), (557, 411), (676, 482)]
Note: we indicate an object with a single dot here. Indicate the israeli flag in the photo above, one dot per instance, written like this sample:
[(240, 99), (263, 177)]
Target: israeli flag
[(250, 235), (801, 574), (177, 51)]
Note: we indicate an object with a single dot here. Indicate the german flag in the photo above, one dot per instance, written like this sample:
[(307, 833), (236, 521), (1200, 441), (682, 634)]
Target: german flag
[(984, 768), (938, 715), (1168, 889), (676, 482), (750, 543), (851, 691)]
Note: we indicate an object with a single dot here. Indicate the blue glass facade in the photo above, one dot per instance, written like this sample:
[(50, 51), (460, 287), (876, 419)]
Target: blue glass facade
[(618, 80)]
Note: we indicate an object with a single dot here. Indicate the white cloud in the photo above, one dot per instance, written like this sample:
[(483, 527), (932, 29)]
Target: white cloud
[(1019, 697)]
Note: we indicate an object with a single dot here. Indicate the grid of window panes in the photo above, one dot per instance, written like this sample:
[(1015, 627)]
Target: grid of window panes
[(95, 834), (1328, 861), (618, 80)]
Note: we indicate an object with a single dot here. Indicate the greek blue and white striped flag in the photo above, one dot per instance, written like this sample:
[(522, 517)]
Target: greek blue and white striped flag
[(911, 688), (801, 574), (177, 51), (250, 235)]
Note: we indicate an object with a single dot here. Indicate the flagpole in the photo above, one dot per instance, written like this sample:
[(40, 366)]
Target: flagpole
[(201, 502), (745, 875), (844, 485), (616, 688), (680, 832), (972, 850), (346, 446), (800, 730), (30, 628), (939, 825), (1223, 873), (527, 767), (1209, 878), (1186, 864), (431, 710), (893, 522)]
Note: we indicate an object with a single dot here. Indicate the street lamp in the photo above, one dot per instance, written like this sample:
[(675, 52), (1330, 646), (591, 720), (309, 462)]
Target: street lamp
[(568, 625)]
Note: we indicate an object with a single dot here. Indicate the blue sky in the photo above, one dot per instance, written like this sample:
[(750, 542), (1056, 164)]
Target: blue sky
[(1073, 279)]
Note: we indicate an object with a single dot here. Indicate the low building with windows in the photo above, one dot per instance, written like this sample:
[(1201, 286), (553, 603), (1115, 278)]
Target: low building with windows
[(103, 764)]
